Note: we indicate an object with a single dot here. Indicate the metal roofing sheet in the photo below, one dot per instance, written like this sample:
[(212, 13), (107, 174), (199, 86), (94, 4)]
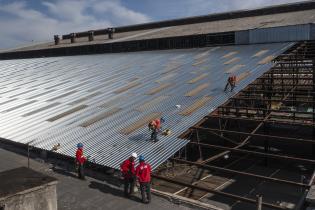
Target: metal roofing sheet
[(85, 99)]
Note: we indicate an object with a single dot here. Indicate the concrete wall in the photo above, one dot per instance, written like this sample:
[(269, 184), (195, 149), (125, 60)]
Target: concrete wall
[(39, 198)]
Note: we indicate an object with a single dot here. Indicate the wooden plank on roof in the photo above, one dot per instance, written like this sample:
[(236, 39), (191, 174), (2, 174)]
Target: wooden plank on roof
[(266, 60), (127, 87), (140, 123), (242, 76), (197, 90), (233, 60), (230, 54), (234, 68), (150, 103), (200, 77), (66, 113), (260, 53), (100, 117), (195, 106), (159, 88)]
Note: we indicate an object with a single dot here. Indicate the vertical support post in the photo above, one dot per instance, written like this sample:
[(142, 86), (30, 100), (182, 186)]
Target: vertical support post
[(282, 79), (199, 147), (28, 155), (73, 37), (91, 36), (259, 202), (313, 72), (56, 39), (173, 166), (266, 142)]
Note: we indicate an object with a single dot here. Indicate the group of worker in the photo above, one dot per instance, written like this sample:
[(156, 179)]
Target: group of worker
[(140, 174), (131, 174)]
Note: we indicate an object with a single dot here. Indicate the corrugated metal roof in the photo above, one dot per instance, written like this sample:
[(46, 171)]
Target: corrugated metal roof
[(104, 100)]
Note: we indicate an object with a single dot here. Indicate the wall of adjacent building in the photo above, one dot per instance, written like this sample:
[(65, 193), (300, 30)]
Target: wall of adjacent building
[(39, 198)]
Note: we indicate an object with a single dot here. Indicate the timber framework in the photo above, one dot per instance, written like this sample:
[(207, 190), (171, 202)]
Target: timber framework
[(262, 138)]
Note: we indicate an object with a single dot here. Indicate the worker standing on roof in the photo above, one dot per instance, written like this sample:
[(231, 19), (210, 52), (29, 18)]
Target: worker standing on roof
[(155, 127), (128, 172), (80, 160), (143, 172), (230, 82)]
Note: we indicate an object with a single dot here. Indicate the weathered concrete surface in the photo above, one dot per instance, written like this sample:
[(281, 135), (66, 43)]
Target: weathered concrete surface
[(24, 189), (36, 199), (93, 194)]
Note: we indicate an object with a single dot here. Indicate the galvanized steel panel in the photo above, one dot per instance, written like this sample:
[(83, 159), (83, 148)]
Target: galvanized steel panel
[(242, 37), (312, 34), (35, 91), (279, 34)]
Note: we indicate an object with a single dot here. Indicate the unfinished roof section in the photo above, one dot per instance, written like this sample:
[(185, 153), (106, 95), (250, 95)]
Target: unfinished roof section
[(114, 96)]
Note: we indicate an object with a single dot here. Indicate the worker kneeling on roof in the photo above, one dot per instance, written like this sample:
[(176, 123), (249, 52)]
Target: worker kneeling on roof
[(143, 173), (155, 127), (128, 172)]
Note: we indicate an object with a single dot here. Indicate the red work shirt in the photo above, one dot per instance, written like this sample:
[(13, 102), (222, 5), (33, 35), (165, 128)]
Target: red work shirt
[(157, 123), (143, 172), (79, 156), (127, 169)]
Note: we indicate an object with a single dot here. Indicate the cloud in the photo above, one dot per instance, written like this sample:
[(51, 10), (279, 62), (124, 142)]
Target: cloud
[(167, 9), (20, 23), (120, 14), (202, 7)]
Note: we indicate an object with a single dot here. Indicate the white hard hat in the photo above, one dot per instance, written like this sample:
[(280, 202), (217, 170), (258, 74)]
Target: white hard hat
[(134, 155)]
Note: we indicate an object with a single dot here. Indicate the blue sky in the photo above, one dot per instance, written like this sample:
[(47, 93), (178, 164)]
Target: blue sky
[(23, 22)]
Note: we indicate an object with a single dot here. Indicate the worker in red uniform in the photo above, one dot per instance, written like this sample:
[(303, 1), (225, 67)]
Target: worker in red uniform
[(80, 160), (143, 173), (128, 172), (230, 82), (155, 127)]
